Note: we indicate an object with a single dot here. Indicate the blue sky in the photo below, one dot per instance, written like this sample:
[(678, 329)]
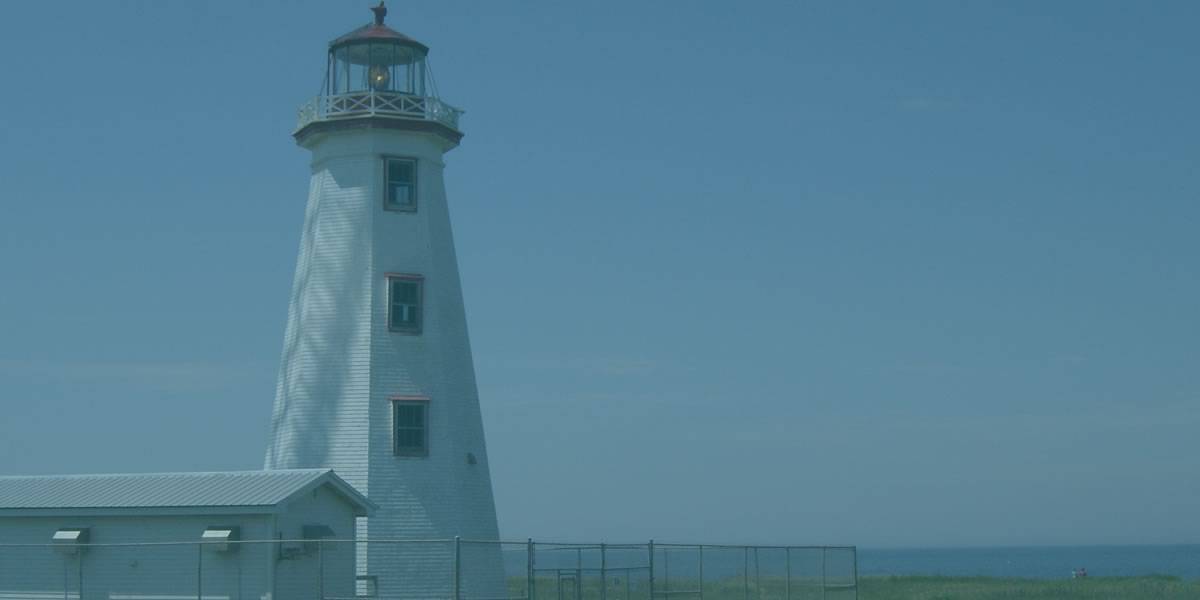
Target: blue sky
[(888, 274)]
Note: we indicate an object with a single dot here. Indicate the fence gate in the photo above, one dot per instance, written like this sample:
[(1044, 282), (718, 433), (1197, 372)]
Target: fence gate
[(568, 586)]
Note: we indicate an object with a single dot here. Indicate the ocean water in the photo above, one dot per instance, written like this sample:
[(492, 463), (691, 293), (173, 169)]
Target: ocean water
[(1047, 562)]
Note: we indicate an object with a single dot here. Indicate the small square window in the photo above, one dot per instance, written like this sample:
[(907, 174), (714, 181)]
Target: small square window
[(400, 184), (410, 425), (404, 303)]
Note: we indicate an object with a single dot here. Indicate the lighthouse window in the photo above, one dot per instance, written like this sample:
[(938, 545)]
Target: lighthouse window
[(404, 303), (401, 184), (410, 419)]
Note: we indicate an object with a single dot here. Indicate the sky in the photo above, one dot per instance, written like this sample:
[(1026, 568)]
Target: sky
[(885, 274)]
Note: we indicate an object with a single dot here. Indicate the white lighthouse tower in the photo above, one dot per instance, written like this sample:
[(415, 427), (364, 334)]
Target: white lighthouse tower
[(376, 379)]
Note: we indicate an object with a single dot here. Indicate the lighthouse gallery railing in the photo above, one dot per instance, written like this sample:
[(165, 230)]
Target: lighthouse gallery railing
[(382, 104)]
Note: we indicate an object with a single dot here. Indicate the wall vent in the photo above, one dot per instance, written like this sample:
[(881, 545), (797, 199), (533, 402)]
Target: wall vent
[(70, 540), (219, 538)]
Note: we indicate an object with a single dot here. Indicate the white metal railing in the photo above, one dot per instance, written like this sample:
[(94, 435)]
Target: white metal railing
[(383, 104)]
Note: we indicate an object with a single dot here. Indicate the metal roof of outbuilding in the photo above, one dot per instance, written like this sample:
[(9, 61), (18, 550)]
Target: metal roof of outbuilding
[(261, 489)]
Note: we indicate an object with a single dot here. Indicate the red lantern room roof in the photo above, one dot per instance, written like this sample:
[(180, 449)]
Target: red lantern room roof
[(378, 32)]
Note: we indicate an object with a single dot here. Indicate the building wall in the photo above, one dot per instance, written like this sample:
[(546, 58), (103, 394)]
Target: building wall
[(341, 364), (146, 560), (441, 495), (321, 414), (327, 567), (143, 568)]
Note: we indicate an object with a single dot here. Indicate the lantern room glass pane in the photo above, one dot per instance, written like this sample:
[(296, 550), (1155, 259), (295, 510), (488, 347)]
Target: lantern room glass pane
[(380, 76), (341, 72), (400, 78), (377, 66), (357, 81)]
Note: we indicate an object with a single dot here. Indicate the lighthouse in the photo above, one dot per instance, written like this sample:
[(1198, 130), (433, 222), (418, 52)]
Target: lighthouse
[(376, 380)]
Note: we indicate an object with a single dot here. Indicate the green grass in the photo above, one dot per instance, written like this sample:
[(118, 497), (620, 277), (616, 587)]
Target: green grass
[(1153, 587), (988, 588)]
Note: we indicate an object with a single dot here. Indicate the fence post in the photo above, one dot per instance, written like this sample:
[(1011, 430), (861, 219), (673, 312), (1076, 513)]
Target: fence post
[(531, 574), (700, 561), (603, 573), (321, 569), (199, 571), (746, 572), (651, 547), (529, 571), (757, 575), (667, 571), (457, 568), (787, 578), (854, 549), (824, 575)]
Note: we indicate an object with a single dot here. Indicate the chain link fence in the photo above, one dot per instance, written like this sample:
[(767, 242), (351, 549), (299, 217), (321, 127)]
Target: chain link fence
[(449, 569)]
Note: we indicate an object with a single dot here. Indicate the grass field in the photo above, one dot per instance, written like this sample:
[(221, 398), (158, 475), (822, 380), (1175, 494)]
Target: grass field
[(1153, 587), (987, 588)]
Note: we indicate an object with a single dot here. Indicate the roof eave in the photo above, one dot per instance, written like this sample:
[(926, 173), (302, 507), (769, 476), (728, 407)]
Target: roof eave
[(448, 136), (377, 33), (363, 506), (139, 511)]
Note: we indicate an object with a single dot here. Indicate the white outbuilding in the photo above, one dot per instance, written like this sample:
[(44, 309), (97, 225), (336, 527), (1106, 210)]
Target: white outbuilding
[(167, 535)]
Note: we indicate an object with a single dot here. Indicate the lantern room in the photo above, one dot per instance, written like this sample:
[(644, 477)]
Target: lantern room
[(376, 58), (376, 76)]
